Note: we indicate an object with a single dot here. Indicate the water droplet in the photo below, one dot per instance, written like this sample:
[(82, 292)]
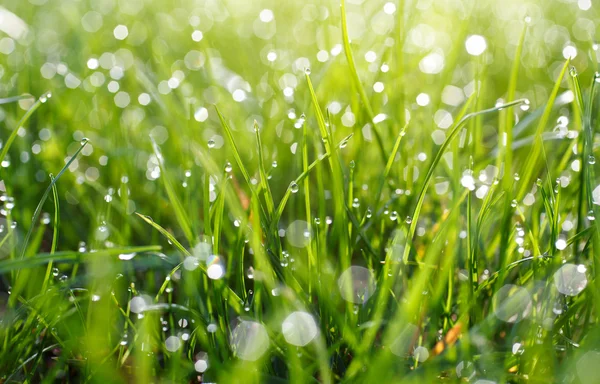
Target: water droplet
[(45, 218), (517, 177), (84, 141), (525, 106), (513, 203), (294, 187), (352, 164), (211, 143), (55, 272), (573, 71), (307, 71), (228, 167), (393, 215), (355, 203), (527, 19), (408, 220), (369, 213), (45, 97), (299, 328), (591, 159), (590, 215)]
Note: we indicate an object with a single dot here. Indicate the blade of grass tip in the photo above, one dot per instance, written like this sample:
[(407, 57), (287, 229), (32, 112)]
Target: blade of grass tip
[(54, 235), (235, 299), (38, 209), (340, 219), (176, 206), (263, 173), (533, 157), (42, 99), (388, 166), (238, 159), (357, 83), (288, 192), (165, 233), (454, 131), (12, 99)]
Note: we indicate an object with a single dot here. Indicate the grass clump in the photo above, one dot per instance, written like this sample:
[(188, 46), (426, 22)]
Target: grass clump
[(378, 192)]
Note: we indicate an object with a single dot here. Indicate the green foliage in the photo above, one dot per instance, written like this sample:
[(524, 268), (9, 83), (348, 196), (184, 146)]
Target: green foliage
[(363, 191)]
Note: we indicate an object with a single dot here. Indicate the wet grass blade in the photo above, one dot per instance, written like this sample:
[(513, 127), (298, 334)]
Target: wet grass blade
[(21, 123), (357, 83), (531, 164), (38, 209), (69, 257), (182, 218)]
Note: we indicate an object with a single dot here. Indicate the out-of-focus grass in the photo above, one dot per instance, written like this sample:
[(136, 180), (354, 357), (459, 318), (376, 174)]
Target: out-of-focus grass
[(383, 191)]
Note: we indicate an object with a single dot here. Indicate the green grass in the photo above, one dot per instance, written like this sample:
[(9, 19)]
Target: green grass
[(323, 192)]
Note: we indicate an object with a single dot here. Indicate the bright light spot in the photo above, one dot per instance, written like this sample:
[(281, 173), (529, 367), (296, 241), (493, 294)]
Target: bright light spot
[(144, 99), (421, 354), (443, 118), (249, 340), (468, 181), (299, 328), (93, 63), (71, 81), (370, 56), (475, 45), (432, 63), (138, 304), (561, 243), (127, 256), (584, 5), (266, 15), (172, 343), (423, 99), (322, 56), (215, 269), (197, 35), (569, 52), (570, 279), (356, 284), (334, 107), (452, 95), (512, 303), (379, 118), (296, 233), (438, 136), (595, 192), (201, 364), (113, 87), (120, 32), (272, 56), (378, 87), (201, 114), (239, 95), (389, 8), (122, 99)]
